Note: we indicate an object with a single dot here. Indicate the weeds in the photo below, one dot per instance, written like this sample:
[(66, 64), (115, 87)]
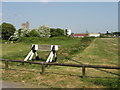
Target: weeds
[(108, 83)]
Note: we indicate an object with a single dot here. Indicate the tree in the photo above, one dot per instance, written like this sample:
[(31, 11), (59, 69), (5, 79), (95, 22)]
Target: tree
[(56, 32), (0, 31), (33, 33), (44, 31), (116, 33), (7, 30), (19, 32), (24, 32)]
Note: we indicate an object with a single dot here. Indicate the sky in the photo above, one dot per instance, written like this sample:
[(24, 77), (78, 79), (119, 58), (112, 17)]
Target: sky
[(78, 16)]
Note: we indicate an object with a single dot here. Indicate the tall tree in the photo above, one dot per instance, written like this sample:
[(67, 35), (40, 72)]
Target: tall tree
[(44, 31), (116, 33), (56, 32), (33, 33), (7, 30), (0, 31)]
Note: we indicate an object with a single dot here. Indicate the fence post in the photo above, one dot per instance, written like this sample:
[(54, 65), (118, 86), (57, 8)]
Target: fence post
[(43, 68), (6, 65), (83, 71)]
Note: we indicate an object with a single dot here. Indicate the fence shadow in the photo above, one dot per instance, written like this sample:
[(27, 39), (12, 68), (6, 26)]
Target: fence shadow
[(94, 68)]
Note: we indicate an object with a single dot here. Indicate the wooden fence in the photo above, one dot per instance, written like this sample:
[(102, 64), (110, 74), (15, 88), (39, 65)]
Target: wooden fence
[(84, 66)]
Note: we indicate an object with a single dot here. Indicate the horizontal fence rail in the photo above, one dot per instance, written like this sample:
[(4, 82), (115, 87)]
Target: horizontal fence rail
[(61, 64)]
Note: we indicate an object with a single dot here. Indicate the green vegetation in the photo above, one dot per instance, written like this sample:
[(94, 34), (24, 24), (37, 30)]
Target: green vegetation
[(44, 31), (103, 51), (80, 46), (108, 83), (80, 49), (69, 46), (116, 33), (20, 50), (110, 35), (33, 33), (56, 32), (7, 30)]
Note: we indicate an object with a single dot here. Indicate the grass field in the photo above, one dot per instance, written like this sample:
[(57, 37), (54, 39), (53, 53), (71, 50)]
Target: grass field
[(69, 46), (99, 51), (103, 51), (21, 49)]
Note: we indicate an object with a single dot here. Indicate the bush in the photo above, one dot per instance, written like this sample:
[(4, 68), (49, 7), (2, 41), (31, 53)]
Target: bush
[(29, 39), (106, 82), (78, 47), (33, 33), (56, 32), (109, 83)]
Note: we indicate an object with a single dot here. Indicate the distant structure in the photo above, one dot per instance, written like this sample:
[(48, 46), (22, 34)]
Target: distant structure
[(25, 25), (79, 35), (94, 34), (67, 32)]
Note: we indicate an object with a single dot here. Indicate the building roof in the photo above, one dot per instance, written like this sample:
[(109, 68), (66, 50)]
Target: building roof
[(79, 35)]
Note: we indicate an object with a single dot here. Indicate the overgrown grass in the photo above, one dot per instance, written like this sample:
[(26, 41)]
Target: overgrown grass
[(53, 40), (80, 46), (108, 83), (69, 46), (103, 51)]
